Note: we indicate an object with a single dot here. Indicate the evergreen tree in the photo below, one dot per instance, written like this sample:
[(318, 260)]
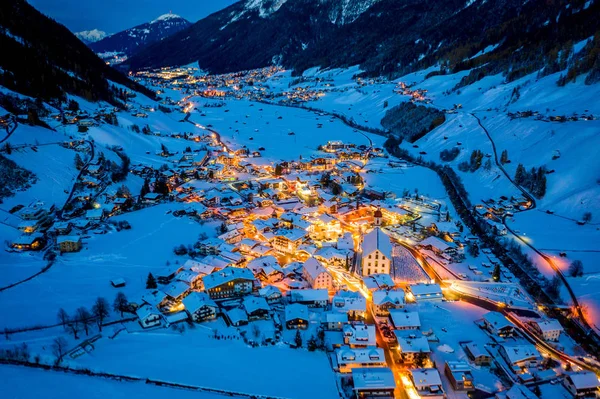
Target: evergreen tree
[(145, 188), (311, 344), (576, 268), (520, 175), (151, 282), (487, 165), (473, 249), (278, 170), (504, 157)]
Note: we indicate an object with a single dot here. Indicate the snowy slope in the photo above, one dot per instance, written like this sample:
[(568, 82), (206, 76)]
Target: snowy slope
[(91, 36)]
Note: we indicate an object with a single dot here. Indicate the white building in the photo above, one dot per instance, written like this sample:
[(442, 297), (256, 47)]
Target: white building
[(316, 274), (427, 383), (376, 253), (359, 335), (426, 292), (549, 329), (149, 316), (348, 359), (386, 300), (403, 320), (582, 384)]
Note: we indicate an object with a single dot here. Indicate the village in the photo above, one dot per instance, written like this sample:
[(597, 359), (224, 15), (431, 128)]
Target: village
[(309, 254)]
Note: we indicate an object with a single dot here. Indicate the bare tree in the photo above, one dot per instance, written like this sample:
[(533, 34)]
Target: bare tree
[(73, 328), (100, 310), (120, 303), (59, 348), (63, 317), (85, 318)]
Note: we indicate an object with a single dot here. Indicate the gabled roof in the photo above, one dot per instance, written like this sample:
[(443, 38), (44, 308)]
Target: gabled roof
[(377, 240), (314, 268), (226, 275), (254, 303), (197, 300), (497, 320), (401, 319), (395, 296), (296, 311), (584, 380)]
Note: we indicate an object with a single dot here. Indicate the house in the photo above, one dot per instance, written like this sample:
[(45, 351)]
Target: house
[(373, 382), (376, 253), (236, 317), (385, 300), (439, 246), (348, 358), (460, 376), (410, 346), (310, 297), (148, 316), (256, 307), (378, 281), (296, 316), (517, 391), (359, 335), (519, 356), (287, 241), (191, 278), (271, 293), (479, 356), (152, 198), (29, 242), (351, 303), (200, 306), (549, 329), (118, 282), (427, 382), (229, 282), (334, 321), (497, 324), (316, 274), (403, 320), (583, 384), (95, 214), (176, 291), (68, 243), (425, 292)]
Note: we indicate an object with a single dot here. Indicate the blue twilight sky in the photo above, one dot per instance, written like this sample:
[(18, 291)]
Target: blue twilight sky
[(113, 16)]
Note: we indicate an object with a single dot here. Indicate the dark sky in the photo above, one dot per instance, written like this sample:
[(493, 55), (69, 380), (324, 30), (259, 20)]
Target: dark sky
[(113, 16)]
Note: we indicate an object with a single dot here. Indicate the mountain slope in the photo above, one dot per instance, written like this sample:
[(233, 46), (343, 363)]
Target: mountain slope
[(131, 40), (46, 60), (386, 37)]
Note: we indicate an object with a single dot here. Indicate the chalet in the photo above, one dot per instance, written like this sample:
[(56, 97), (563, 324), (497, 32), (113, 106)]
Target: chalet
[(583, 384), (200, 306), (256, 307), (95, 214), (379, 281), (348, 358), (334, 321), (229, 282), (425, 292), (168, 273), (385, 300), (316, 275), (351, 303), (29, 242), (410, 346), (497, 324), (427, 383), (359, 335), (296, 316), (520, 356), (439, 246), (549, 329), (30, 226), (517, 391), (148, 316), (479, 356), (403, 320), (69, 243), (191, 278), (152, 198), (236, 317), (373, 382), (310, 297), (176, 291), (376, 253), (61, 228), (287, 241), (118, 282), (460, 376), (271, 293)]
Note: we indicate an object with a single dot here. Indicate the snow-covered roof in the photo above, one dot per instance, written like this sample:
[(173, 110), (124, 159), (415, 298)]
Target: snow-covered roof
[(197, 300), (426, 290), (584, 380), (437, 243), (360, 334), (425, 378), (548, 325), (402, 319), (144, 311), (497, 320), (309, 295), (226, 275), (296, 311), (314, 268), (363, 356), (268, 291), (373, 378), (377, 240), (176, 289), (519, 391), (254, 303), (237, 315), (412, 345), (520, 352), (395, 296), (379, 280), (61, 239), (347, 301)]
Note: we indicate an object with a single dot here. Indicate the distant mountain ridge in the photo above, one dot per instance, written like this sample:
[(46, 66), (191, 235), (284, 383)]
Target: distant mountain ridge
[(385, 37), (91, 36), (129, 41)]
